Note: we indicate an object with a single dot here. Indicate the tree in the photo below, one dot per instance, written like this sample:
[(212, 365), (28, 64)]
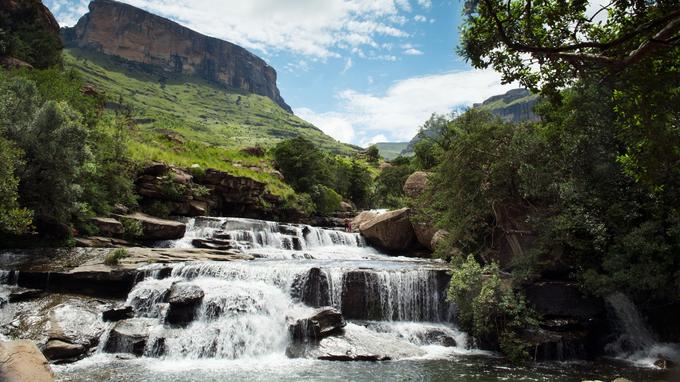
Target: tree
[(303, 165), (373, 154), (511, 36), (13, 218), (55, 149)]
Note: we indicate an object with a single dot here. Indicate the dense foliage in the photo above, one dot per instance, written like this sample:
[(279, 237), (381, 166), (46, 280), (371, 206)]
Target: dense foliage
[(73, 161), (325, 177)]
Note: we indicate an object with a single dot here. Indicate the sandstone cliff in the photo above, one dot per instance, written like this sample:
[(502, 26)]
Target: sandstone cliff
[(122, 30)]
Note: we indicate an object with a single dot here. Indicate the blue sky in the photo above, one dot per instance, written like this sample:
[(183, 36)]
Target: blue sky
[(362, 70)]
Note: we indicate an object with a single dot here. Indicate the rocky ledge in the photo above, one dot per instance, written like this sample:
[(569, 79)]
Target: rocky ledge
[(91, 271)]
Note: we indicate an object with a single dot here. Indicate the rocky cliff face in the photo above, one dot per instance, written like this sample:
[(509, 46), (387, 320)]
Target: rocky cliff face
[(122, 30)]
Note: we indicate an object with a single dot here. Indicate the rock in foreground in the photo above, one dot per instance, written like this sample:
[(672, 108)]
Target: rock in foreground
[(22, 361)]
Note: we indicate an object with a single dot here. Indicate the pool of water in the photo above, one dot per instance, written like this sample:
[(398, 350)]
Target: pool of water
[(463, 368)]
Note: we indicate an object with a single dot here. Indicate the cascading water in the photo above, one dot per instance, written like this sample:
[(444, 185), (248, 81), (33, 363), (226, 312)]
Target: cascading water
[(246, 306), (635, 342)]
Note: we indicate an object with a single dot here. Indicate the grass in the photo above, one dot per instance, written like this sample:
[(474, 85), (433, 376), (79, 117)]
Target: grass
[(184, 120), (114, 257)]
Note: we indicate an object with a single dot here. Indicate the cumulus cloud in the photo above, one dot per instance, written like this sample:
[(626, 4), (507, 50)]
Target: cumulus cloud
[(420, 18), (331, 123), (319, 28), (397, 114)]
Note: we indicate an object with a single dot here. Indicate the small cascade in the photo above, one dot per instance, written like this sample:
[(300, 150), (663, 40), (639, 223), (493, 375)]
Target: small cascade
[(249, 234), (636, 343)]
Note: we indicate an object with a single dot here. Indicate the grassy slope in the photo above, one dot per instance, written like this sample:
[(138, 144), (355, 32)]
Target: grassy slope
[(502, 103), (184, 120), (391, 150)]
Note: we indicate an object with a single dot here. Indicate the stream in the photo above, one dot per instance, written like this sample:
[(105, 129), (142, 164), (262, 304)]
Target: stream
[(394, 306)]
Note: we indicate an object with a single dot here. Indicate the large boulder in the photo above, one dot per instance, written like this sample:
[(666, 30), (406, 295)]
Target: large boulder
[(320, 323), (183, 300), (22, 361), (363, 217), (157, 229), (72, 330), (415, 184), (129, 336), (391, 230), (425, 232)]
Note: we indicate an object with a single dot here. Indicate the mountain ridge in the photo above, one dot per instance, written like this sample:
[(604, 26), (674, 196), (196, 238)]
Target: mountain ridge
[(122, 30)]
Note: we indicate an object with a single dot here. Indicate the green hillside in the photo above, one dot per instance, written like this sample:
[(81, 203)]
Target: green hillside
[(391, 150), (193, 109)]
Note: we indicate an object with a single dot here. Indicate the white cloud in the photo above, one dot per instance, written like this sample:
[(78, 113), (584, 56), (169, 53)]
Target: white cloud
[(373, 140), (420, 18), (397, 114), (425, 3), (318, 28), (331, 123)]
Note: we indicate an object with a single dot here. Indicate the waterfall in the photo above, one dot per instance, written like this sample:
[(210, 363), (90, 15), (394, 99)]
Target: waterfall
[(245, 307), (635, 341)]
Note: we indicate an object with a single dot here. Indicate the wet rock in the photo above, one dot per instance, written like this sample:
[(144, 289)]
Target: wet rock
[(563, 299), (312, 289), (217, 244), (73, 329), (321, 323), (61, 350), (356, 343), (129, 336), (391, 230), (117, 313), (22, 361), (24, 295), (157, 229), (108, 226), (183, 300), (548, 345), (361, 296)]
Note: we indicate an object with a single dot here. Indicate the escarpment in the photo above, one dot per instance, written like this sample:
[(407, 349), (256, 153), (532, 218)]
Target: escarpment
[(122, 30)]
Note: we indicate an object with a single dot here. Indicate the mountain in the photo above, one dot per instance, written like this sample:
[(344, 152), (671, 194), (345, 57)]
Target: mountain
[(516, 105), (122, 30), (391, 150), (181, 84)]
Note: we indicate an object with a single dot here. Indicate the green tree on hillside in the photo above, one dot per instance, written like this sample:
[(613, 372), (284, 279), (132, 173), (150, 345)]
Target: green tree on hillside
[(13, 218)]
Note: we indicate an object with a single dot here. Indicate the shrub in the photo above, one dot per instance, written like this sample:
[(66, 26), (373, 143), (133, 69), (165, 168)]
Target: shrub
[(489, 309), (114, 257), (326, 200), (133, 228)]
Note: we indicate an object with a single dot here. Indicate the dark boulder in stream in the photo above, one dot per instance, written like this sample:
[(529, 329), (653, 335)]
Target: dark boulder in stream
[(321, 323)]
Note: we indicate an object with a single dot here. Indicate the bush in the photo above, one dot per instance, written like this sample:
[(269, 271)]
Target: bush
[(114, 257), (325, 199), (489, 309), (133, 228)]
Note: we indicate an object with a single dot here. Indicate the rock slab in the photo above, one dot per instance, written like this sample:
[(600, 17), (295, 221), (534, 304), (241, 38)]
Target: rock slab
[(22, 361)]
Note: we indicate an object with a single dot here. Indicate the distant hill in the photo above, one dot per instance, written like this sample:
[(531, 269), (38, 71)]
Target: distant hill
[(391, 150), (517, 105)]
